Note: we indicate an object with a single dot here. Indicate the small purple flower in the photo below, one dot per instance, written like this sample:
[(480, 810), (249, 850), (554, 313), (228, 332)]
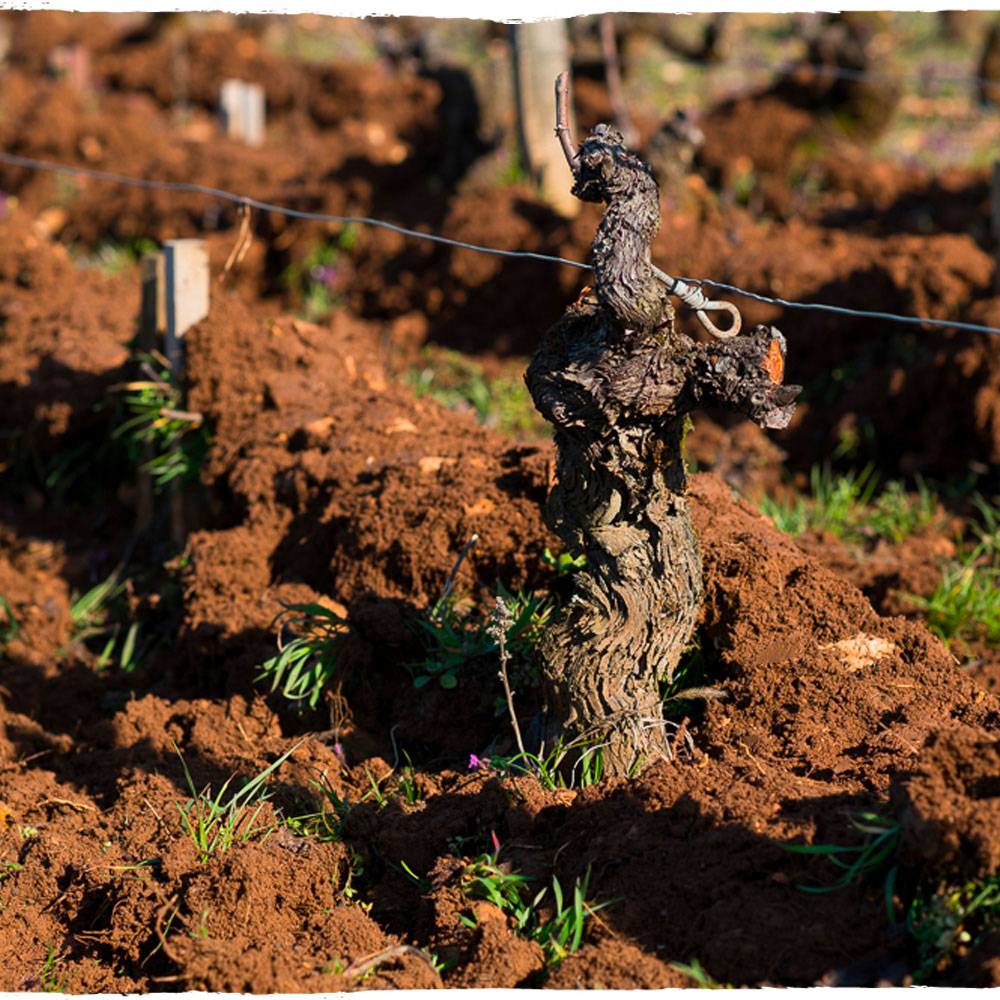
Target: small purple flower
[(325, 274), (478, 763), (338, 749)]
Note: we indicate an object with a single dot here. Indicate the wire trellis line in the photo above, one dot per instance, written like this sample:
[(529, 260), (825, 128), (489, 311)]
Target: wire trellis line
[(843, 310), (14, 159), (263, 206), (787, 67)]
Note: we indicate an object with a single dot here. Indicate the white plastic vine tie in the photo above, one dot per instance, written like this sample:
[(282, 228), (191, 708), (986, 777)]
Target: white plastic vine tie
[(694, 298)]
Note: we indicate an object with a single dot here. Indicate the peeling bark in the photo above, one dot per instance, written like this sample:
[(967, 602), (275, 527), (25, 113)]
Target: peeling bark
[(617, 382)]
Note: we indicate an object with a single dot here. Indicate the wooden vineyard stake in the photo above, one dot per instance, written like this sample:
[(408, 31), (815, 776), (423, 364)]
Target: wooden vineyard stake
[(186, 302), (175, 296), (541, 50), (241, 106), (180, 72), (73, 63), (186, 282)]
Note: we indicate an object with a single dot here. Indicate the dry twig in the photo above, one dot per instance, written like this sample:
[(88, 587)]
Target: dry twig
[(450, 582), (500, 621), (562, 122), (243, 242), (613, 77), (360, 966)]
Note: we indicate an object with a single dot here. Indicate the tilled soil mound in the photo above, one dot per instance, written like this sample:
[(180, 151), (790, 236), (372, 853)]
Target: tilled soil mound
[(827, 701), (316, 453), (365, 140), (327, 481)]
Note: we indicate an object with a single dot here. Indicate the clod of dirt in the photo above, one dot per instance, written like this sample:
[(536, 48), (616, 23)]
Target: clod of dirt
[(861, 650), (244, 926), (778, 622), (497, 958), (614, 960), (950, 803), (890, 572), (981, 969)]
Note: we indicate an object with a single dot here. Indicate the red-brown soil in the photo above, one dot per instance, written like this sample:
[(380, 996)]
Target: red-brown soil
[(328, 481)]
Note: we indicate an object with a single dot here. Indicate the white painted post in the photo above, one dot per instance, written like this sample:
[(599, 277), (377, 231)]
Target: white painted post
[(253, 114), (186, 279), (72, 62), (185, 272), (241, 106), (541, 53), (4, 41)]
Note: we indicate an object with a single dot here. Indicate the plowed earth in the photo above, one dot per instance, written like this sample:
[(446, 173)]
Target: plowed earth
[(328, 481)]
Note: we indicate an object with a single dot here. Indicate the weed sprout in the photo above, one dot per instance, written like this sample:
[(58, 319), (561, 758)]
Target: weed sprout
[(215, 824), (946, 918), (882, 839), (964, 606), (304, 666), (559, 932), (849, 507), (451, 640), (178, 439), (94, 615)]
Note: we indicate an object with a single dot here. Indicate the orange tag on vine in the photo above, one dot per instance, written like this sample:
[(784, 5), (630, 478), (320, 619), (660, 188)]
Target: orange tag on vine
[(774, 363)]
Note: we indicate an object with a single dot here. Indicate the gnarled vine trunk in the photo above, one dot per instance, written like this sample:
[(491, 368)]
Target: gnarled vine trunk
[(617, 382)]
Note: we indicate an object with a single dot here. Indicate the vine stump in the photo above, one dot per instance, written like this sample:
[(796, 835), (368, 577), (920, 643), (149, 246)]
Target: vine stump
[(617, 381)]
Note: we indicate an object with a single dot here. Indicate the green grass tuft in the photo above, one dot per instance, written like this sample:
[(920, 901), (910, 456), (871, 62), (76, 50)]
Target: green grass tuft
[(704, 981), (9, 625), (852, 508), (152, 415), (452, 638), (304, 666), (549, 768), (943, 920), (564, 564), (459, 383), (946, 920), (111, 257), (877, 853), (557, 923), (214, 824), (99, 619), (48, 982), (964, 607)]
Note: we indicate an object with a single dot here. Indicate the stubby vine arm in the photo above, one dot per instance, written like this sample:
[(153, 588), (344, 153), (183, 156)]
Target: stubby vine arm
[(604, 172), (635, 279), (743, 373)]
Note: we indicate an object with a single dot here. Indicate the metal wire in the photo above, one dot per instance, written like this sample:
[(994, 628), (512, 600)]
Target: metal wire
[(843, 310), (238, 199), (264, 206), (843, 73)]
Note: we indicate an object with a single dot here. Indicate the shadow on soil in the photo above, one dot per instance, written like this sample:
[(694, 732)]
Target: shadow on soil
[(935, 208), (688, 886)]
